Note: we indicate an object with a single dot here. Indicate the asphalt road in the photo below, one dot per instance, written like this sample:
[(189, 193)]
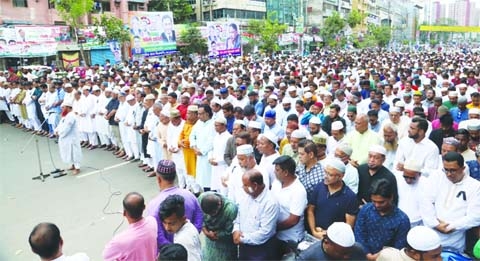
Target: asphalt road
[(74, 203)]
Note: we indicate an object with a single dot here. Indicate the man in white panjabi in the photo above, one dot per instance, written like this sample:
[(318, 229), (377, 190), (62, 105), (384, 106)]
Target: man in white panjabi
[(68, 140), (101, 124), (174, 129), (215, 157), (86, 116), (131, 136)]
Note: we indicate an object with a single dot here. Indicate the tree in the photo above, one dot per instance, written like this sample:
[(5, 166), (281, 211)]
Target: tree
[(109, 28), (191, 41), (266, 33), (330, 32), (182, 9), (355, 18), (381, 34), (71, 11)]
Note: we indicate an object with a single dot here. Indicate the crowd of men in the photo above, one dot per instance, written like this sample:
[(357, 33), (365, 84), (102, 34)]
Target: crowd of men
[(375, 154)]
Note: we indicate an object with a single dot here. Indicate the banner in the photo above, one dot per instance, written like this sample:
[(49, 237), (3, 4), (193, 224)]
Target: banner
[(26, 50), (70, 59), (152, 34), (42, 34), (223, 39)]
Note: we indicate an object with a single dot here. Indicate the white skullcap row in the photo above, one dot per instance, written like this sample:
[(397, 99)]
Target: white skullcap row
[(378, 149), (341, 234), (422, 238)]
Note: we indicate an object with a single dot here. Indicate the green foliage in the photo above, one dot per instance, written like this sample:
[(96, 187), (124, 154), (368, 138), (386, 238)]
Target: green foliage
[(355, 18), (72, 10), (266, 33), (113, 29), (331, 29), (191, 41), (382, 34), (182, 9)]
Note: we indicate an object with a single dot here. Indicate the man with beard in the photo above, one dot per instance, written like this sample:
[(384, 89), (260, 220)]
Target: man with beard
[(175, 127), (241, 101), (68, 140), (227, 109), (372, 171), (446, 130), (184, 141), (417, 146), (390, 142), (334, 115), (361, 139), (463, 137)]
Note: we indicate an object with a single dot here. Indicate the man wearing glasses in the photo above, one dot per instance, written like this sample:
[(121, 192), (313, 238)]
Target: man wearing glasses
[(450, 205)]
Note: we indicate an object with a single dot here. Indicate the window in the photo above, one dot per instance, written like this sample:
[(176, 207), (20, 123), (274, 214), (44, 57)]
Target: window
[(133, 6), (20, 3), (51, 5)]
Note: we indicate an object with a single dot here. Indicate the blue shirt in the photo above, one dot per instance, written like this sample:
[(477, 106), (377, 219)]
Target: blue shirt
[(61, 95), (374, 231), (230, 122), (311, 178), (474, 167), (332, 208), (459, 115)]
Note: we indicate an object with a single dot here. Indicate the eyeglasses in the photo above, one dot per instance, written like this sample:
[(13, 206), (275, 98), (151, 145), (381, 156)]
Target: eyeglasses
[(451, 171)]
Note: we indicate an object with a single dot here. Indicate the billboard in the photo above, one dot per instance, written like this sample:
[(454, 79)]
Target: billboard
[(152, 34), (223, 39)]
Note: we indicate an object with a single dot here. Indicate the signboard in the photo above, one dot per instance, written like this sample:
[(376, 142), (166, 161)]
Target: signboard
[(223, 39), (153, 34)]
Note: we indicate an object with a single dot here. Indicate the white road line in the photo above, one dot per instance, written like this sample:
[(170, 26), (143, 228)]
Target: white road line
[(100, 170)]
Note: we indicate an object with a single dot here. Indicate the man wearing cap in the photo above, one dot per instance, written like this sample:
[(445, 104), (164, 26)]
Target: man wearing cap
[(417, 146), (216, 155), (291, 149), (450, 204), (411, 184), (452, 100), (133, 152), (256, 224), (361, 139), (331, 201), (119, 117), (374, 170), (86, 117), (184, 141), (272, 126), (184, 103), (313, 112), (337, 244), (225, 96), (422, 244), (241, 99), (175, 127), (68, 138), (381, 223), (272, 102), (460, 112), (338, 135), (166, 175), (267, 145), (201, 141)]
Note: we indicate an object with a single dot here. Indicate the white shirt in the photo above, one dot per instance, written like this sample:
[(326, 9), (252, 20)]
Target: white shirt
[(291, 200), (457, 204), (425, 152), (266, 163), (188, 237), (409, 196), (75, 257)]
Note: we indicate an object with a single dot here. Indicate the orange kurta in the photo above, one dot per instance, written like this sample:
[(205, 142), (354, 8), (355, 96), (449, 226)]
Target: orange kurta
[(188, 153)]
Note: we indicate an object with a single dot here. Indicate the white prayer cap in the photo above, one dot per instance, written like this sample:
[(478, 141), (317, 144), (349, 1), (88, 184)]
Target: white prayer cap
[(292, 89), (273, 97), (95, 88), (239, 122), (345, 148), (150, 97), (165, 113), (270, 136), (315, 120), (473, 111), (255, 125), (67, 102), (422, 238), (221, 120), (286, 100), (129, 97), (337, 125), (116, 91), (341, 234), (68, 85), (244, 149), (299, 134), (452, 94), (400, 104), (86, 88), (108, 89), (412, 165), (185, 94), (125, 88), (336, 163), (308, 95), (395, 109), (378, 149), (461, 85)]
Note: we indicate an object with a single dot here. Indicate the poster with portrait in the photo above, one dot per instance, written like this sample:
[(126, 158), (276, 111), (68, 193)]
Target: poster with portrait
[(223, 39), (153, 34)]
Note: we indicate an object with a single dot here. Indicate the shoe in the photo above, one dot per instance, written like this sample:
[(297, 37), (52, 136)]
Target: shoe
[(152, 174), (141, 165), (103, 146), (148, 170), (92, 147), (127, 158), (121, 155), (110, 149)]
